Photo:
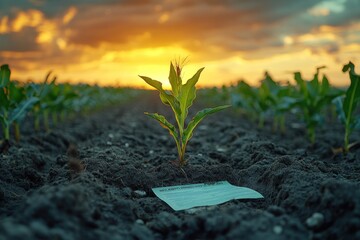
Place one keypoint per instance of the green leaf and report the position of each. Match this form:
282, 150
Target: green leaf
165, 124
325, 86
287, 103
175, 81
4, 101
353, 92
4, 75
197, 119
20, 111
16, 93
300, 82
188, 94
166, 98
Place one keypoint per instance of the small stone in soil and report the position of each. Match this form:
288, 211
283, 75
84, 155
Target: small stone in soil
315, 221
139, 193
220, 149
139, 221
277, 229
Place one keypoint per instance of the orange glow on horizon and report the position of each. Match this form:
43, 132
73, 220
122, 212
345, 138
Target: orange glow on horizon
113, 43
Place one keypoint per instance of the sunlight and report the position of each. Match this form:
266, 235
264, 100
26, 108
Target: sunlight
31, 18
164, 18
4, 25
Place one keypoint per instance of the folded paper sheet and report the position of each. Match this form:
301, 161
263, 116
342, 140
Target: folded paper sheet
203, 194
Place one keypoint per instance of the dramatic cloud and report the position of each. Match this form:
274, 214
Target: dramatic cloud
94, 39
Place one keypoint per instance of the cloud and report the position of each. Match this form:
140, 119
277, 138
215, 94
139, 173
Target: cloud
88, 33
22, 41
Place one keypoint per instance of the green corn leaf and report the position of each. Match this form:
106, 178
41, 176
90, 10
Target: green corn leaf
165, 124
16, 93
325, 86
246, 90
287, 103
166, 98
175, 81
4, 101
197, 119
4, 75
353, 92
188, 94
301, 83
20, 111
3, 119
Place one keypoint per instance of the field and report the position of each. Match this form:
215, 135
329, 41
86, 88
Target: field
90, 176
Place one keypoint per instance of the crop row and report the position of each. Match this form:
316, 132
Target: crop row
49, 100
310, 99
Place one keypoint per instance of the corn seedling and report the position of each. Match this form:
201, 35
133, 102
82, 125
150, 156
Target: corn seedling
180, 98
315, 95
279, 100
13, 103
41, 108
253, 100
347, 107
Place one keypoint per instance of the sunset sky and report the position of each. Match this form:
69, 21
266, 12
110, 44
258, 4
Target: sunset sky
112, 42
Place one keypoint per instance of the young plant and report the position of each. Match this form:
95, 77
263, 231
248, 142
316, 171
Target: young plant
180, 98
279, 100
315, 95
347, 107
13, 103
247, 98
41, 108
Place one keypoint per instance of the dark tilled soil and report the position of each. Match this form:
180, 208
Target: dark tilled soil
91, 178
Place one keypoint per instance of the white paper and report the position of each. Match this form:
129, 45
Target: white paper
203, 194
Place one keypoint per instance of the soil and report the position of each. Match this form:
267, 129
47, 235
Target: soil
91, 178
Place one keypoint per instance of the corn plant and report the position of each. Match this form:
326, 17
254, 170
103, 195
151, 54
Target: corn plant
346, 108
280, 99
315, 95
247, 98
42, 92
14, 105
180, 99
256, 102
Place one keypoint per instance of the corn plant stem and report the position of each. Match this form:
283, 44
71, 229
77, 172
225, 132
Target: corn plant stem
17, 131
261, 122
37, 123
182, 160
46, 120
182, 146
311, 134
178, 147
282, 123
6, 131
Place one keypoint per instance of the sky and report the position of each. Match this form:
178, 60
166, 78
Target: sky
111, 42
